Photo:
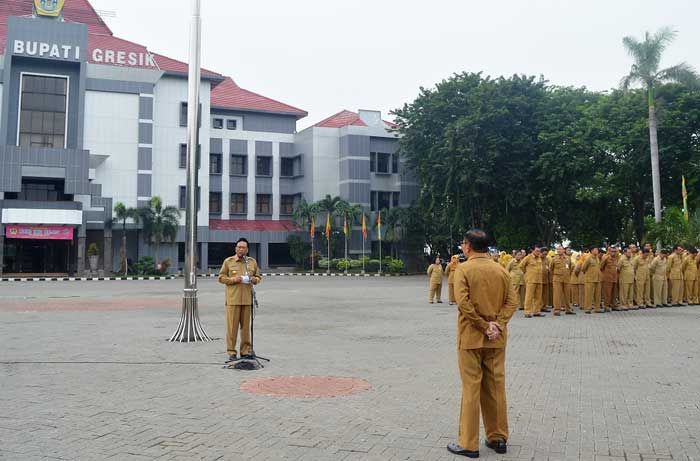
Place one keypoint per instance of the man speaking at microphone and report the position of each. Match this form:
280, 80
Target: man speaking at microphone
486, 302
239, 273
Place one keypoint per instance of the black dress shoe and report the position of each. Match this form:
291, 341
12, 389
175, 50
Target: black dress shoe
570, 313
457, 450
231, 358
499, 446
248, 356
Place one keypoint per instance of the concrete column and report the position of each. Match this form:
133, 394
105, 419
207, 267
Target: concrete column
107, 253
81, 256
204, 257
276, 181
264, 258
2, 248
251, 180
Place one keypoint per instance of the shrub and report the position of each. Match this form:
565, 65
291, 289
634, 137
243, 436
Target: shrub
395, 266
355, 263
145, 266
344, 264
372, 265
93, 249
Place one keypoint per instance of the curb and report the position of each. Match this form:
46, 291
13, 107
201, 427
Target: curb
172, 277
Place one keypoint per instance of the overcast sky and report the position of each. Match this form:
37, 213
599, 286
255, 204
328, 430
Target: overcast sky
323, 56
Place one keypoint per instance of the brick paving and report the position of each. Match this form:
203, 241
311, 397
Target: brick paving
86, 373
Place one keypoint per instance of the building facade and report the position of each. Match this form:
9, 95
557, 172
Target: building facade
89, 120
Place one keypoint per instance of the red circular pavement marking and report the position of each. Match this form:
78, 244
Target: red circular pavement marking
86, 304
305, 386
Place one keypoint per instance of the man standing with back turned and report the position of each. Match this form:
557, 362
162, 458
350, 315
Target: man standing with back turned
486, 302
239, 273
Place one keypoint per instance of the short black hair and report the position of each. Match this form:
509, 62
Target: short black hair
478, 240
242, 239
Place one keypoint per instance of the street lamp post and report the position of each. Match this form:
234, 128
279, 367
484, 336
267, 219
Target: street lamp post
190, 328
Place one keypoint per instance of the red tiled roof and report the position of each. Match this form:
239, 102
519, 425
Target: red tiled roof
228, 95
260, 225
347, 118
74, 11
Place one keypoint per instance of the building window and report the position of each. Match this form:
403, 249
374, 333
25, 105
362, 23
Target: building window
372, 162
231, 124
183, 197
383, 163
395, 163
263, 166
373, 200
215, 166
214, 202
383, 200
287, 204
44, 104
287, 167
183, 156
239, 165
239, 204
183, 114
217, 123
263, 204
395, 199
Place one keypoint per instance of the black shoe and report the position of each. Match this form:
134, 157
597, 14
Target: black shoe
248, 357
499, 446
457, 450
231, 358
439, 302
570, 313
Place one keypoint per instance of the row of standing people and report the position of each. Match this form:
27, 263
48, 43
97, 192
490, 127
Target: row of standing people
611, 280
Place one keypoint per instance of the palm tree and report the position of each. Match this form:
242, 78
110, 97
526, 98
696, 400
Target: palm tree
350, 214
304, 213
392, 224
645, 70
121, 214
159, 223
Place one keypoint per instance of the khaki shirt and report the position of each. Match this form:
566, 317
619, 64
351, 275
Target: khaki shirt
533, 268
239, 294
591, 269
608, 268
641, 265
516, 273
435, 273
626, 269
675, 262
484, 294
658, 268
560, 268
690, 268
450, 271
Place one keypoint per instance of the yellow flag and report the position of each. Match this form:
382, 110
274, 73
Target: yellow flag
685, 199
364, 227
328, 227
345, 225
312, 230
379, 226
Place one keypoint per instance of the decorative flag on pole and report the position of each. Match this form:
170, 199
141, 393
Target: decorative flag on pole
328, 227
312, 229
345, 225
379, 226
685, 199
364, 227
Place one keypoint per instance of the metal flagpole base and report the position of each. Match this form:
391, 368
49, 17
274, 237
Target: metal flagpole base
190, 329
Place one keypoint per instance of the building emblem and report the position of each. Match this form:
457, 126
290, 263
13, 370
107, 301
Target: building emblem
51, 8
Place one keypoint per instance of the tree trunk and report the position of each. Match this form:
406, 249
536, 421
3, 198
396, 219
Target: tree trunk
654, 144
123, 254
157, 245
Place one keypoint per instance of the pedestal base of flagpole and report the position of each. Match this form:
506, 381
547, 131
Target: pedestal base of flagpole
190, 329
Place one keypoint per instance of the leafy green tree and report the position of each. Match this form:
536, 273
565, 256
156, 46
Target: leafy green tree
304, 213
159, 223
647, 55
121, 215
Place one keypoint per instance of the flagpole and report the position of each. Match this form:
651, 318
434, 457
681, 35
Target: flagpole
364, 237
380, 243
312, 254
345, 228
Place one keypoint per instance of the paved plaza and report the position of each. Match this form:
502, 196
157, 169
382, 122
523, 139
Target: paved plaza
86, 373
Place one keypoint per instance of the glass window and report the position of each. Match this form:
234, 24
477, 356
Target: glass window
384, 200
395, 199
372, 162
215, 164
287, 167
214, 202
287, 204
264, 166
183, 156
383, 163
183, 114
395, 163
239, 165
183, 197
262, 204
231, 124
238, 203
42, 119
217, 123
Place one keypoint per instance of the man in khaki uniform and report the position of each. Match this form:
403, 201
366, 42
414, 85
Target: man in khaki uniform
642, 279
652, 255
560, 270
450, 271
690, 275
658, 269
609, 279
239, 273
591, 282
517, 278
486, 302
435, 273
533, 269
675, 275
547, 292
626, 280
577, 280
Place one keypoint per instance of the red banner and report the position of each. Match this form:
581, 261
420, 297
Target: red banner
30, 232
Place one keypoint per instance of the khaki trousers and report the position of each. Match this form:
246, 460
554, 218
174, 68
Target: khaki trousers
483, 373
609, 289
533, 298
451, 292
591, 296
577, 294
546, 294
520, 290
643, 293
691, 293
660, 292
238, 317
560, 293
626, 296
676, 291
435, 291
